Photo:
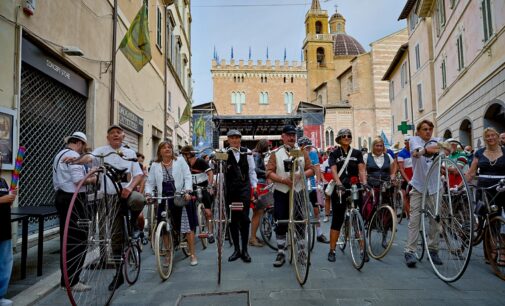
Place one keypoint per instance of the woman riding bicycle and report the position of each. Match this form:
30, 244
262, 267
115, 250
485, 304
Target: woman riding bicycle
170, 174
351, 161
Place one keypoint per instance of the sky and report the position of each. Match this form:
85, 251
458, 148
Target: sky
276, 25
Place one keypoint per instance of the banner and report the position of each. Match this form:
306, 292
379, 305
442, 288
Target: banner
202, 130
135, 45
313, 132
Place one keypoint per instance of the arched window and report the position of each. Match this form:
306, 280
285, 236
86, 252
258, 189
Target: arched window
320, 57
319, 27
465, 132
288, 101
330, 137
447, 134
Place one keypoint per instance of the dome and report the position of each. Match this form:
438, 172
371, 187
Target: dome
336, 15
344, 44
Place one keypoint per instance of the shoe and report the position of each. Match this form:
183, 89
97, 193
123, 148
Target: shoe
136, 234
322, 238
384, 242
211, 239
435, 259
410, 259
279, 260
6, 302
365, 256
331, 256
80, 287
117, 281
236, 255
255, 243
193, 262
326, 219
245, 257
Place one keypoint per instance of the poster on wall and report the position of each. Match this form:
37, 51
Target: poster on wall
202, 131
7, 137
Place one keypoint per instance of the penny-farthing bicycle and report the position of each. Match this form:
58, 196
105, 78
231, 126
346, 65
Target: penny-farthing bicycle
447, 216
299, 222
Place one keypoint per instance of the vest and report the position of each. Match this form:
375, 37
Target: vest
280, 156
375, 174
237, 174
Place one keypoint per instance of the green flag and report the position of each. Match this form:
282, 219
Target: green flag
135, 44
186, 115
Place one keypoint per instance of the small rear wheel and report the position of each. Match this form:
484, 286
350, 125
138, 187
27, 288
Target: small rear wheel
420, 247
495, 246
267, 228
131, 266
399, 205
202, 225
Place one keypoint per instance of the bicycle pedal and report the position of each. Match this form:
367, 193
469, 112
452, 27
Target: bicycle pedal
236, 206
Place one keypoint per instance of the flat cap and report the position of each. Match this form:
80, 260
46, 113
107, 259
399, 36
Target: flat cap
289, 129
234, 133
114, 126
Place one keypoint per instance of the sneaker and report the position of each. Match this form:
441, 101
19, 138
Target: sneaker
331, 256
193, 262
410, 259
211, 239
81, 287
5, 302
322, 238
326, 219
280, 260
435, 259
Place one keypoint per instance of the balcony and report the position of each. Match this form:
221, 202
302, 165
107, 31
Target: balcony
318, 37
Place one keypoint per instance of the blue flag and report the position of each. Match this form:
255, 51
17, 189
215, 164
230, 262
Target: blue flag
387, 144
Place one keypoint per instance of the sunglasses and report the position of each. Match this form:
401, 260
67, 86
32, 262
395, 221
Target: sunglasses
346, 136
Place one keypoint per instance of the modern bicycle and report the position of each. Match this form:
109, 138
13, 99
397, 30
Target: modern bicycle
353, 228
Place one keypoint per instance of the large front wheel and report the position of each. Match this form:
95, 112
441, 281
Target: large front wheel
381, 232
164, 250
300, 236
88, 244
447, 219
357, 240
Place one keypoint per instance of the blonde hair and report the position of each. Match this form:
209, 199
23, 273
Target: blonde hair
489, 129
376, 140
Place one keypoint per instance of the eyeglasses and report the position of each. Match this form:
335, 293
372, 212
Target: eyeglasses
346, 136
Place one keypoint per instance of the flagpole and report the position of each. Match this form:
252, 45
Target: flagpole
113, 72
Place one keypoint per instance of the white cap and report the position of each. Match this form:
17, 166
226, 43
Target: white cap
77, 135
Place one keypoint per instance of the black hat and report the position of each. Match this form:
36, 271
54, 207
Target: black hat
289, 129
234, 133
114, 126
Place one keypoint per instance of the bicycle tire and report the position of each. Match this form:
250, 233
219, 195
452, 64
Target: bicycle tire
300, 228
132, 263
357, 239
164, 250
454, 222
494, 243
344, 234
220, 221
399, 205
420, 247
89, 226
479, 229
153, 223
267, 228
202, 225
381, 232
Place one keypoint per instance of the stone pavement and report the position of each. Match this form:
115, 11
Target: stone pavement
385, 282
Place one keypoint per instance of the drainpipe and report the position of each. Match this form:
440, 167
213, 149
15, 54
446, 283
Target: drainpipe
165, 73
113, 63
410, 92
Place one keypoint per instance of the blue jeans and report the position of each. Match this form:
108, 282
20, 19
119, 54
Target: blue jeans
5, 266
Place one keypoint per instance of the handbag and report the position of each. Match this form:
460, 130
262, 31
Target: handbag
331, 185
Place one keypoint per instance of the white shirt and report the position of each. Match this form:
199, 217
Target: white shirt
379, 160
252, 172
118, 162
421, 165
67, 176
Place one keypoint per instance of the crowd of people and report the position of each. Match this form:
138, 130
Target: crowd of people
248, 172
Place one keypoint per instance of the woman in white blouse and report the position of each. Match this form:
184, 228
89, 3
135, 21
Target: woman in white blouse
170, 174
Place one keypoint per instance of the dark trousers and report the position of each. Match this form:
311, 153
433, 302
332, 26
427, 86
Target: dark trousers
76, 238
239, 225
